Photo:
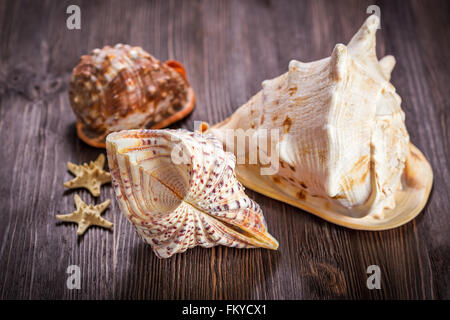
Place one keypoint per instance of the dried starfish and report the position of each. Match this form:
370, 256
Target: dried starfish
87, 215
90, 176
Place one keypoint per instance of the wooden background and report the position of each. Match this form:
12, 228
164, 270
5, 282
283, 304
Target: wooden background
228, 48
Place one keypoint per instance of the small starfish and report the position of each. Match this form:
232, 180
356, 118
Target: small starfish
86, 215
90, 176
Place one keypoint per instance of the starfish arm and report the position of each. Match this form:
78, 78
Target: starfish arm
75, 169
76, 182
100, 161
71, 217
99, 221
102, 206
94, 189
78, 202
82, 228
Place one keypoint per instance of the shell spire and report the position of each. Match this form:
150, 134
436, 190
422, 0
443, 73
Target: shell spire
123, 87
344, 151
179, 190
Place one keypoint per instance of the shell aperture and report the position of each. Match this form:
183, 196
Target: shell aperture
179, 190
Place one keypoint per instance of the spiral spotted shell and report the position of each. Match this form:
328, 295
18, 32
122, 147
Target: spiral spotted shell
179, 190
123, 87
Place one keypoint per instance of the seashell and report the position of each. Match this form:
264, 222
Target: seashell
179, 190
123, 87
343, 152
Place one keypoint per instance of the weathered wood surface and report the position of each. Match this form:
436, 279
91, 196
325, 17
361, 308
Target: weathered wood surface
228, 48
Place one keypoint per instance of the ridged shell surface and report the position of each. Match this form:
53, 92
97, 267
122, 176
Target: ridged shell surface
124, 87
179, 190
344, 152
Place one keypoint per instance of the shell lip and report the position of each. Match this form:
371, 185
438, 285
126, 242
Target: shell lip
417, 183
178, 67
97, 141
258, 239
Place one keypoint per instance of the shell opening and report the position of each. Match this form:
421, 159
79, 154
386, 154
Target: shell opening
166, 181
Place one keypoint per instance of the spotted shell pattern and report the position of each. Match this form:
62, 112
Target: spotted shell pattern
179, 190
123, 87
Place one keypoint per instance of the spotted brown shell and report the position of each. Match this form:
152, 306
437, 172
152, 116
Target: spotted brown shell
124, 87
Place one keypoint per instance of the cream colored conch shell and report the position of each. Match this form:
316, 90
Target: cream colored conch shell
344, 152
179, 190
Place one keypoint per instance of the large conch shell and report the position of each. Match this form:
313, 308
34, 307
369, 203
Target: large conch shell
344, 152
179, 190
123, 87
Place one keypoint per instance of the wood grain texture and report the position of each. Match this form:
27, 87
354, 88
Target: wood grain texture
228, 48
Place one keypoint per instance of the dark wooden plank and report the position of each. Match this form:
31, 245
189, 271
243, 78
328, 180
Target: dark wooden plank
228, 49
431, 22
